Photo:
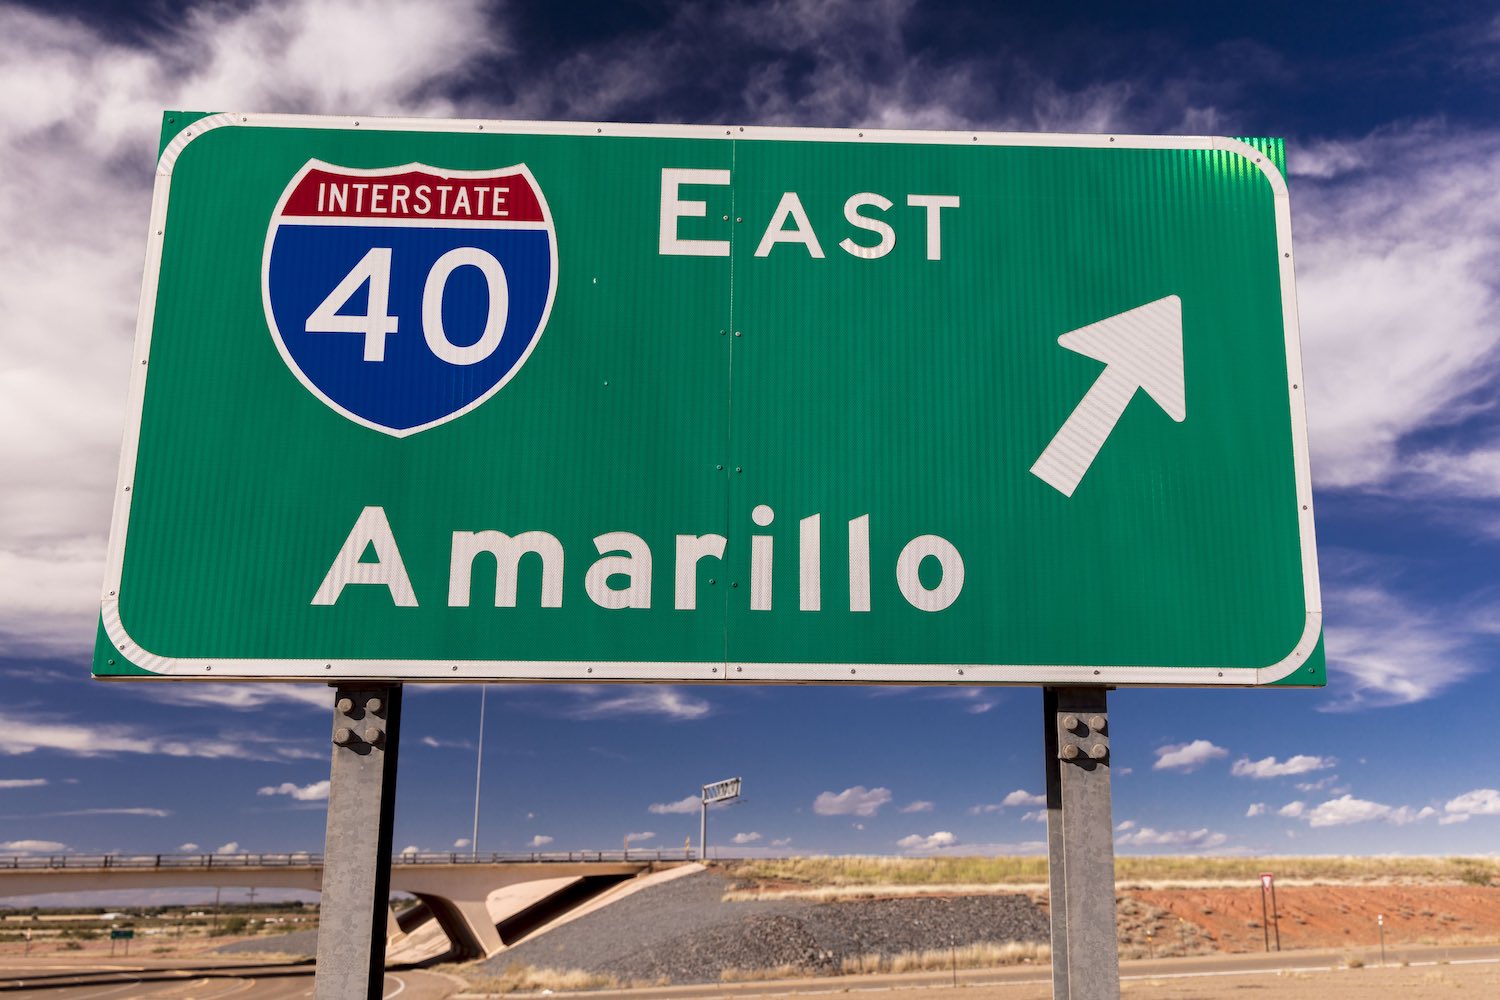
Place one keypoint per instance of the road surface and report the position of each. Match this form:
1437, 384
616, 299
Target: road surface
192, 978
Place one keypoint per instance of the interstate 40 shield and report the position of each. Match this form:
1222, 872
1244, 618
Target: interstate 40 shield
405, 297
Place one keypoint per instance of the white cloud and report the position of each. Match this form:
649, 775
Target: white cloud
1479, 802
540, 840
919, 806
150, 811
745, 838
1346, 810
1388, 652
315, 792
409, 849
667, 702
22, 782
241, 697
462, 842
1256, 809
688, 804
1397, 232
1293, 810
933, 842
631, 838
33, 846
187, 848
1270, 767
985, 808
782, 842
1187, 840
22, 736
1021, 797
233, 847
86, 106
1035, 816
1186, 756
856, 801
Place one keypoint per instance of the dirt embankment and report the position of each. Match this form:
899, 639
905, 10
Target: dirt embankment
1195, 921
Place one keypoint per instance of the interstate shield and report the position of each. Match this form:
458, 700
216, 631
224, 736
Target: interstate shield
405, 297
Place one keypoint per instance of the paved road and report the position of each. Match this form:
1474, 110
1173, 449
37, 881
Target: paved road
196, 978
1026, 982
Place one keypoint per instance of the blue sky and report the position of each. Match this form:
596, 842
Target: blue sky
1392, 118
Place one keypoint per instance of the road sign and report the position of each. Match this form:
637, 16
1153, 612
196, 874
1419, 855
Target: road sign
485, 400
118, 934
1266, 880
721, 791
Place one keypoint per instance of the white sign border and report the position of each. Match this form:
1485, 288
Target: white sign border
469, 671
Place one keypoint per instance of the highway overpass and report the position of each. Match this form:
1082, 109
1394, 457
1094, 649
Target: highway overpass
454, 889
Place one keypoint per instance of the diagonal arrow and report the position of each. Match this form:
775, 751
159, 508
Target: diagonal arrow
1141, 349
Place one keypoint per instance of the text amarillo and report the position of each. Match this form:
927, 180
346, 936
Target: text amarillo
621, 577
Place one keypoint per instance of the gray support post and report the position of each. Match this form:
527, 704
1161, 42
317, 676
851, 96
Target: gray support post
1080, 845
357, 855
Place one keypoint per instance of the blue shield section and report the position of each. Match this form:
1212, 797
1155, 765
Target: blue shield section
411, 388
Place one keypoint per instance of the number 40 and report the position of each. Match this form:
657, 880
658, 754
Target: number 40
377, 323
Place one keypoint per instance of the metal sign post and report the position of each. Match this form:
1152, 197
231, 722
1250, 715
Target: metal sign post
357, 857
1080, 845
1273, 918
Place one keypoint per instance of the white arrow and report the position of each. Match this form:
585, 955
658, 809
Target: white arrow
1141, 349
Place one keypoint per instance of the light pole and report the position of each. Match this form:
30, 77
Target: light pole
719, 791
478, 767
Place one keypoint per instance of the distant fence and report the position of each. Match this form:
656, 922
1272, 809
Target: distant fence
302, 859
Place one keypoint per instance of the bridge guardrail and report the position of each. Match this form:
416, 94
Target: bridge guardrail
305, 859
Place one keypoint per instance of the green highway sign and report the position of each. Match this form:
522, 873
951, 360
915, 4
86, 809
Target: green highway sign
459, 400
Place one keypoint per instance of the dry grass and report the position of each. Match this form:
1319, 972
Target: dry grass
762, 975
518, 978
1147, 931
984, 955
843, 873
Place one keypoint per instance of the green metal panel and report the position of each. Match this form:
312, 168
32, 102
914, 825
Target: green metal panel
672, 395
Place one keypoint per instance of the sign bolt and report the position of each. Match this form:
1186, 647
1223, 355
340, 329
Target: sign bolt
373, 735
1068, 751
374, 705
1098, 751
1070, 723
1096, 722
342, 736
346, 705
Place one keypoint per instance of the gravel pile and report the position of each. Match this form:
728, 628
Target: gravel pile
683, 932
